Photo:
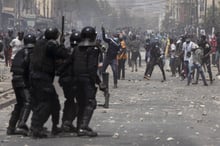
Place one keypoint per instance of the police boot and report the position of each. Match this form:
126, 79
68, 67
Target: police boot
17, 131
11, 127
87, 132
22, 121
56, 130
12, 122
67, 126
38, 133
211, 80
84, 129
22, 131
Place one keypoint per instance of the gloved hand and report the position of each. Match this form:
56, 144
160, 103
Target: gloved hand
62, 40
207, 46
102, 86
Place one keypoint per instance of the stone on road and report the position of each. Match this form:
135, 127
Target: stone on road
143, 113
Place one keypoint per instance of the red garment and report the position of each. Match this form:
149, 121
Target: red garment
213, 43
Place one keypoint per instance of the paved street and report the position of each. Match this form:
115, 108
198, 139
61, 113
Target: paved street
143, 113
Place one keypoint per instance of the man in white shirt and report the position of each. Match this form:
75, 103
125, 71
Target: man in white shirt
172, 58
17, 44
187, 51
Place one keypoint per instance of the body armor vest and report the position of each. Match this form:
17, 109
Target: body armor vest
20, 68
43, 59
85, 61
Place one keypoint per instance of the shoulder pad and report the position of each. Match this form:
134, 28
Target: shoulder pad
87, 43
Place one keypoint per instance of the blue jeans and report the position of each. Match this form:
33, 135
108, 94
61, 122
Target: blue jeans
199, 70
114, 66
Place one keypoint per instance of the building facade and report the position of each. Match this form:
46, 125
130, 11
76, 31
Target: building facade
192, 13
21, 14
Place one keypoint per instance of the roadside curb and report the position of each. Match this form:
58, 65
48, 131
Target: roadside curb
6, 100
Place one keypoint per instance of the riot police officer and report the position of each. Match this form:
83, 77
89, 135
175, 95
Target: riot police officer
42, 74
21, 86
69, 89
85, 66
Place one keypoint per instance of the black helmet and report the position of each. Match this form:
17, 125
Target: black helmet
29, 40
10, 32
203, 37
148, 41
51, 33
75, 38
188, 40
88, 33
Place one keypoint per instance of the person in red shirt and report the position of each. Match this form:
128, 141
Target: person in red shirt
213, 43
217, 52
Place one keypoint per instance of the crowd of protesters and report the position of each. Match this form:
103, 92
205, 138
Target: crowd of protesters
81, 64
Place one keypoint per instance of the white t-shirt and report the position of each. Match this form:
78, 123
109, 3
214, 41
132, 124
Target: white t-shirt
173, 50
16, 46
188, 48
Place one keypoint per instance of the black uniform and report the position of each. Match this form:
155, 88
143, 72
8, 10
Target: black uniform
45, 98
66, 81
21, 86
85, 67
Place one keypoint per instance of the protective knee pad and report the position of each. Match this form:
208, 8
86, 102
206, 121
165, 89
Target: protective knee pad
70, 110
69, 92
41, 114
92, 104
27, 96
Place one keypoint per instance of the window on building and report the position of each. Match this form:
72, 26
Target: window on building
9, 3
